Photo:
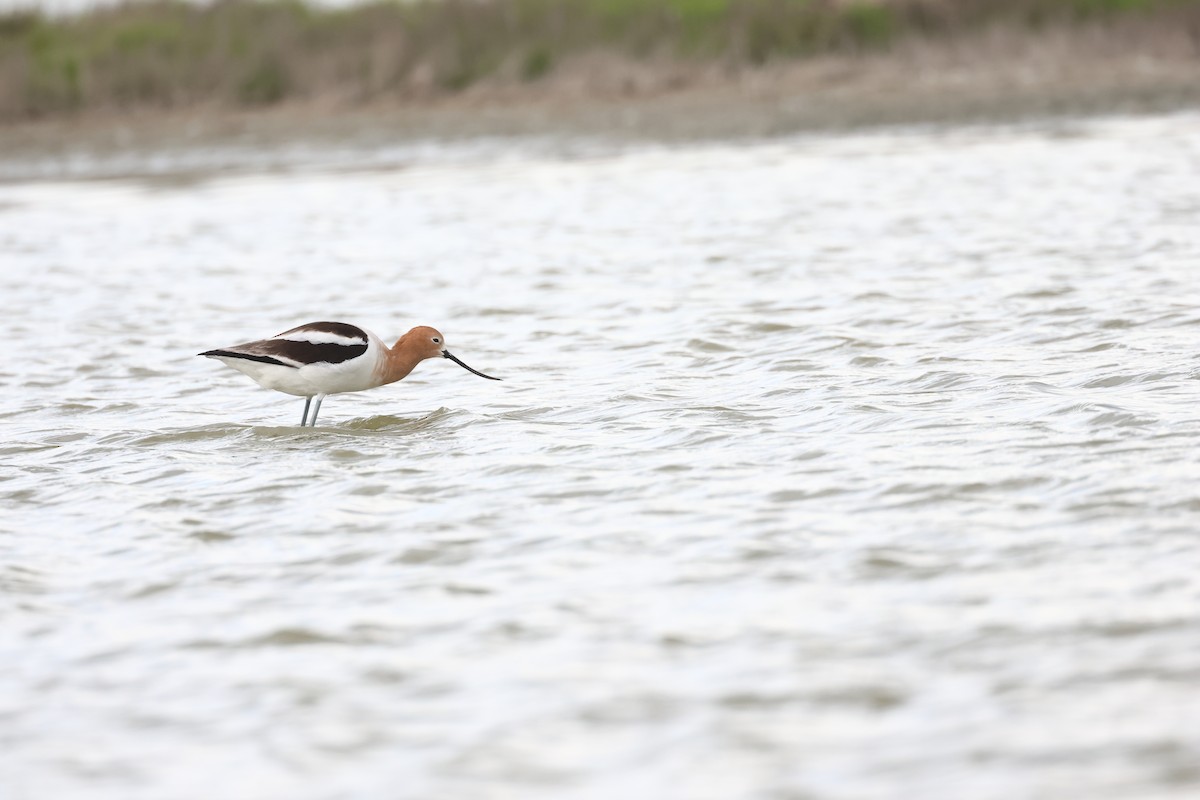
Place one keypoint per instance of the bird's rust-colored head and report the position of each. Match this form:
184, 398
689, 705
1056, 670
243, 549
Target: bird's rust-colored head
424, 342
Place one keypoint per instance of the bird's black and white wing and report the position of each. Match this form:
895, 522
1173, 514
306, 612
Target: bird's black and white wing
312, 344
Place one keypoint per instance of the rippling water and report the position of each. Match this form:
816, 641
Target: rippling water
843, 467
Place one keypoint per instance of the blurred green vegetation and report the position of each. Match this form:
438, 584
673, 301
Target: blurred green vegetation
243, 54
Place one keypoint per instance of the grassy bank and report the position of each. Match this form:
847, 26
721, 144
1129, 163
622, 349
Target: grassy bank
254, 54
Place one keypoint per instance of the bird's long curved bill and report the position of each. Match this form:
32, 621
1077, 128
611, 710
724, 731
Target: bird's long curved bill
446, 353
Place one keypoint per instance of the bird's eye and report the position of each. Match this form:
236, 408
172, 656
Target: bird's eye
436, 340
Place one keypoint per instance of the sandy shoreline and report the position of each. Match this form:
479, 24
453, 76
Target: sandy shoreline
1001, 77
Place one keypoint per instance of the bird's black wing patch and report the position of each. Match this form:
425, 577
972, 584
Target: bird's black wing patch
304, 353
248, 356
336, 328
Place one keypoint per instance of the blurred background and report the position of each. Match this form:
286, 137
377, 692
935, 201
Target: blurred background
656, 68
846, 444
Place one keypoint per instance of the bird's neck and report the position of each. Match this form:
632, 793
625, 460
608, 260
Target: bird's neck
398, 361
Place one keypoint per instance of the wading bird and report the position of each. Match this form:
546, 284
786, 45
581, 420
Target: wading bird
323, 358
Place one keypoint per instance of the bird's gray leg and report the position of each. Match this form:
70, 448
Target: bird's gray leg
304, 419
316, 410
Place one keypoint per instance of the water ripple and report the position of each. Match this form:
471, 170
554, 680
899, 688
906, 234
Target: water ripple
804, 479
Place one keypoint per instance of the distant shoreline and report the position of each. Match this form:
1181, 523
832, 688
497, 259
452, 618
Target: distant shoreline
992, 76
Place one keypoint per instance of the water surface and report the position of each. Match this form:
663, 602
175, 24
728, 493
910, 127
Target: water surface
843, 467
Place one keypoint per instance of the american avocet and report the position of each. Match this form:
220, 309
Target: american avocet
323, 358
